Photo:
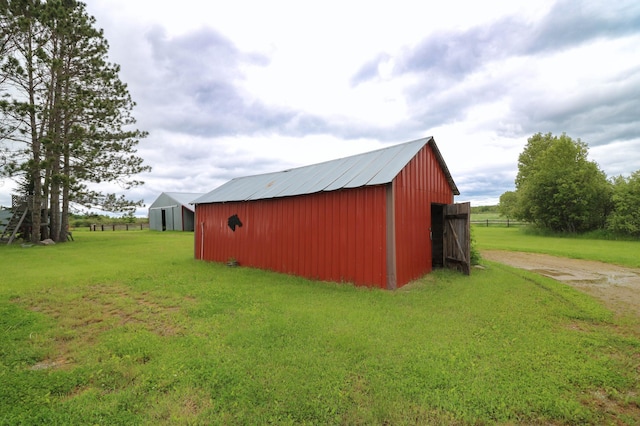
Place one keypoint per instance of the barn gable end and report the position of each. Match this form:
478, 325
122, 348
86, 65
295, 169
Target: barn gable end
422, 183
172, 211
363, 219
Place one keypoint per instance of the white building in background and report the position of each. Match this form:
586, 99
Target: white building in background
171, 211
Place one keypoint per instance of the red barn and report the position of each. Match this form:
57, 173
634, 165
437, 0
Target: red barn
379, 219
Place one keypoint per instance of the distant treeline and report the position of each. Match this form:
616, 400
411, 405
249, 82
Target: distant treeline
485, 209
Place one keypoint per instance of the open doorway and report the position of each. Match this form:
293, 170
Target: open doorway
451, 236
437, 235
164, 219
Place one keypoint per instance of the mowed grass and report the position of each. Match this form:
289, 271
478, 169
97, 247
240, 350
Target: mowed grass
127, 328
626, 253
486, 216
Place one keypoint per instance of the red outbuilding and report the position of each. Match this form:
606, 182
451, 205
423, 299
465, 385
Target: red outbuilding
379, 219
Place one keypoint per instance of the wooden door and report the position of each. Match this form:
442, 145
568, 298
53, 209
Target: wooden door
457, 237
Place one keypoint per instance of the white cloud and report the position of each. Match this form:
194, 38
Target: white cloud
234, 88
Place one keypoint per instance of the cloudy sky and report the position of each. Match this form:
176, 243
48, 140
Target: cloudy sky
235, 88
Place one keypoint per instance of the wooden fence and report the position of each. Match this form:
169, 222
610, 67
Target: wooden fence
505, 223
119, 227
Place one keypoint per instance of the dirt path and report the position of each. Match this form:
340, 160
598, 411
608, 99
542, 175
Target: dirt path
618, 287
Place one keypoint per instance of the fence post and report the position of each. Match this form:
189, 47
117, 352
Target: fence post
102, 227
141, 226
507, 222
487, 223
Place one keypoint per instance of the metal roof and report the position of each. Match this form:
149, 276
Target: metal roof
184, 198
371, 168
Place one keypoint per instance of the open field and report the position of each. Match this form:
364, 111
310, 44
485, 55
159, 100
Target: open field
126, 328
479, 217
625, 253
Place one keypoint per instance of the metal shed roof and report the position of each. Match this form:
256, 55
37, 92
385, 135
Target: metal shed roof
182, 198
371, 168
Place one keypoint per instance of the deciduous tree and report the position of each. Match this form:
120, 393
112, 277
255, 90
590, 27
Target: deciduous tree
557, 186
508, 204
625, 217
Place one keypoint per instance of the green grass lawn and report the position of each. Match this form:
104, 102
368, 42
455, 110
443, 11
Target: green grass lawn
626, 253
127, 328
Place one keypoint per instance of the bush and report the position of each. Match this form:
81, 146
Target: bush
626, 204
475, 253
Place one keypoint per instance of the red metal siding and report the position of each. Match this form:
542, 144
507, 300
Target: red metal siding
334, 236
337, 236
421, 183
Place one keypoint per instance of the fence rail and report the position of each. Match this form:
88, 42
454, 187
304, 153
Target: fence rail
498, 222
119, 227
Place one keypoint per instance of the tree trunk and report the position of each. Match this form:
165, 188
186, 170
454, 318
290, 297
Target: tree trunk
67, 140
36, 166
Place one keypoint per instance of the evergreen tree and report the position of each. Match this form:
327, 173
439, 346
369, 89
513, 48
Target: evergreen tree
23, 77
81, 128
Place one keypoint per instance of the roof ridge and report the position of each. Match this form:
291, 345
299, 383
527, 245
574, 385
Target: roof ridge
365, 169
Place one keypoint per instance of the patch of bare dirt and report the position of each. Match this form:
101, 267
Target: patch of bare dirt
617, 286
93, 310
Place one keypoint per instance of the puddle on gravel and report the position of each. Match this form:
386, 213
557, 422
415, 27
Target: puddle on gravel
617, 286
551, 272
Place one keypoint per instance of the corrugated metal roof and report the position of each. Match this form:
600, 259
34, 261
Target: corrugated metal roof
184, 198
371, 168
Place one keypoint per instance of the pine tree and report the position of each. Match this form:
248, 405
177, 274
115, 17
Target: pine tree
23, 80
82, 127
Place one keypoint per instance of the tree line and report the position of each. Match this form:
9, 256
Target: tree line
559, 189
66, 120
